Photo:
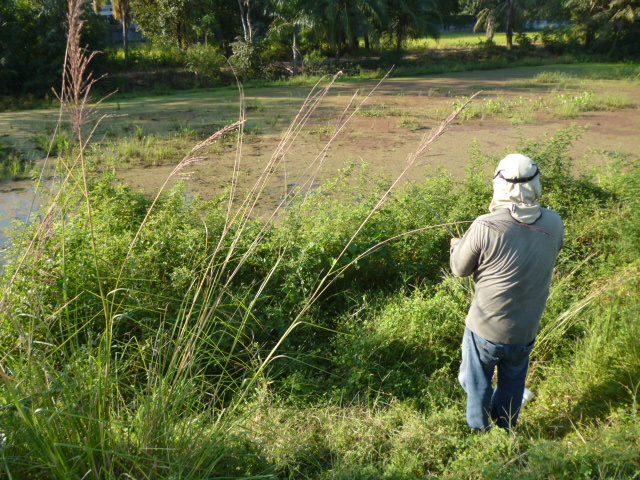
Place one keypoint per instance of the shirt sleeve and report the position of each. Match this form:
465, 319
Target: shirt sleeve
465, 253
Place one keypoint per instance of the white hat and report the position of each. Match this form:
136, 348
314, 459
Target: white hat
516, 186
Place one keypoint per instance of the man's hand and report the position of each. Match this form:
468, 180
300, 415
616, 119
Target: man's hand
454, 240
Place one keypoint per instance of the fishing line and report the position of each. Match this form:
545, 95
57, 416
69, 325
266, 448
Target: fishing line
433, 210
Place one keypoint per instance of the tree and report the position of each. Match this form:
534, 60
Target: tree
293, 15
412, 18
245, 16
510, 9
32, 43
122, 13
344, 20
169, 20
624, 16
612, 19
490, 12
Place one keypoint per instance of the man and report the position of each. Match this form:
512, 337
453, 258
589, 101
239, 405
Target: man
511, 253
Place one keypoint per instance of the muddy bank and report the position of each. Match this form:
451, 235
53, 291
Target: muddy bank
388, 129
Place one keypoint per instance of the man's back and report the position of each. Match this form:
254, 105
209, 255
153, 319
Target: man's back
512, 263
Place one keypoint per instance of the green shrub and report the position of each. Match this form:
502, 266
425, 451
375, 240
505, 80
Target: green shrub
205, 62
13, 162
245, 59
315, 63
402, 350
173, 344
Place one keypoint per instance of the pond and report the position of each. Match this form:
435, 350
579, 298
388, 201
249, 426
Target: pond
17, 200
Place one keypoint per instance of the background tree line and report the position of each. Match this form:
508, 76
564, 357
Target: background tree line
257, 33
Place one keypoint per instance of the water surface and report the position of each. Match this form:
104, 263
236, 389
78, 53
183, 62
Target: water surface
17, 200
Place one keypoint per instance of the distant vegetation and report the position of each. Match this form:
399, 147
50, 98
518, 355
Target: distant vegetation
201, 43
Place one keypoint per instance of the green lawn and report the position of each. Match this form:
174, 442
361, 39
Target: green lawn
457, 40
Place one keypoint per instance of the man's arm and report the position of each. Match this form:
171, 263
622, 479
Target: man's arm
465, 253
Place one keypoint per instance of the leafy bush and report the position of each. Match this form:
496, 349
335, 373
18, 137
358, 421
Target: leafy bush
524, 41
205, 62
13, 163
559, 40
245, 58
139, 327
315, 62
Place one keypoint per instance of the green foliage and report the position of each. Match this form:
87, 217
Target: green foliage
32, 44
141, 57
205, 62
181, 23
139, 335
559, 40
605, 26
403, 349
563, 105
13, 163
412, 19
245, 58
315, 62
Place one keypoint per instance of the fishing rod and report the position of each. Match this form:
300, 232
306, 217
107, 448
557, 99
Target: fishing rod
433, 210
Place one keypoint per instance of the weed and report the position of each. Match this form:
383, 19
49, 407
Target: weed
322, 130
139, 132
615, 102
380, 110
561, 78
568, 105
409, 122
254, 106
518, 111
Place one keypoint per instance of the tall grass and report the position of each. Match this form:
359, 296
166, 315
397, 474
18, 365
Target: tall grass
108, 376
170, 338
244, 376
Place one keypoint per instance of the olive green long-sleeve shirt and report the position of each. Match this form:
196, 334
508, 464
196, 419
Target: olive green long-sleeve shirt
512, 263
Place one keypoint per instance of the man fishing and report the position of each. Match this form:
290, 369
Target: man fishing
511, 253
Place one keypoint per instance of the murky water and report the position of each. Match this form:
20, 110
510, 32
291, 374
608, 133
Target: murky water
17, 199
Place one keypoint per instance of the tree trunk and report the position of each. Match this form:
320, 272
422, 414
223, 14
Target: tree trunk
179, 36
125, 37
589, 35
490, 29
341, 42
367, 45
615, 38
249, 26
399, 38
245, 26
295, 53
355, 43
511, 20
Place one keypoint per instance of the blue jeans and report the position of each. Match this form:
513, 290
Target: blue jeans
480, 357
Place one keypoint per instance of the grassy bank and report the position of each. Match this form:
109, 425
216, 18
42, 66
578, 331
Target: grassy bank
175, 339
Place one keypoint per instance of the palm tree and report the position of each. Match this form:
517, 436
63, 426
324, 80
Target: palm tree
605, 16
122, 13
412, 18
294, 15
345, 20
487, 13
510, 8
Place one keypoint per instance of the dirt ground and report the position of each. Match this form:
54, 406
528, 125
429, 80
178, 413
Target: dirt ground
392, 122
